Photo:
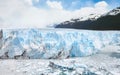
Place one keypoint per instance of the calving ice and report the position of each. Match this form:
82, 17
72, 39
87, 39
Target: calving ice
54, 43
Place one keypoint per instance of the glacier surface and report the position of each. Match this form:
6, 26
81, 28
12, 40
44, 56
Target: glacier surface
54, 43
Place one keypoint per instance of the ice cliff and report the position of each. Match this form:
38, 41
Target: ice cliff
54, 43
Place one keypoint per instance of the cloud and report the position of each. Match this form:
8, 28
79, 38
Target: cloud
23, 14
54, 4
30, 2
101, 7
102, 4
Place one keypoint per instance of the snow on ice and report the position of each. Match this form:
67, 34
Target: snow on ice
54, 43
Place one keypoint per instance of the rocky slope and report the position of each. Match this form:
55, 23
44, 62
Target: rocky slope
108, 21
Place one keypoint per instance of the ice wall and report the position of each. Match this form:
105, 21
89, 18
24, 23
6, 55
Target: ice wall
54, 43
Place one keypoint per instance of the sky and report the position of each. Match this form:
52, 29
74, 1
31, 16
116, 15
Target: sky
43, 13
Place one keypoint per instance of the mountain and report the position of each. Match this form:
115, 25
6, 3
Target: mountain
108, 21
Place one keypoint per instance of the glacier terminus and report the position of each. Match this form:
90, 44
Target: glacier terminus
54, 43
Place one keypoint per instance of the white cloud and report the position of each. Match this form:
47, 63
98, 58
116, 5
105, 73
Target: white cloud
54, 4
29, 2
102, 4
101, 7
22, 13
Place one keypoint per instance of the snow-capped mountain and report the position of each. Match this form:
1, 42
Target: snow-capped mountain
108, 21
114, 11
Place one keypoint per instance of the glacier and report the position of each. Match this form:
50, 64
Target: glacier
54, 43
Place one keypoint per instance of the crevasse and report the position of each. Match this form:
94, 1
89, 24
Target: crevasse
54, 43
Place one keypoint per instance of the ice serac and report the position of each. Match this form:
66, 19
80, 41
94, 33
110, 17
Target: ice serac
1, 35
54, 43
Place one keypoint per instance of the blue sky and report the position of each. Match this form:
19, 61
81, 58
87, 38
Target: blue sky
77, 4
41, 13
